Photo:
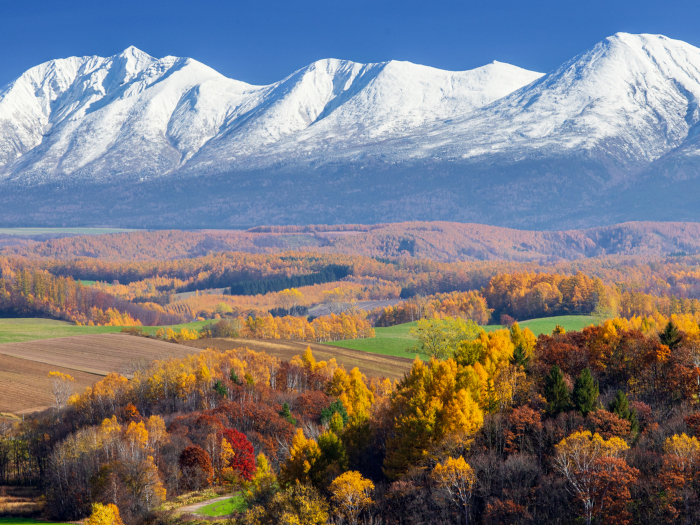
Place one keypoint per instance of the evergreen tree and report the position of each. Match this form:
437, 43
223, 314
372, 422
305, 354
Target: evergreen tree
586, 393
336, 407
234, 376
620, 406
670, 337
520, 357
555, 391
220, 388
286, 414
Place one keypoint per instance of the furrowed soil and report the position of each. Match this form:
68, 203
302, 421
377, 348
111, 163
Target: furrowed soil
372, 365
24, 367
25, 386
95, 354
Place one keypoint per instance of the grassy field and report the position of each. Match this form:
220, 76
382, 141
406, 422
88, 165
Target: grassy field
18, 330
224, 508
77, 231
25, 521
396, 339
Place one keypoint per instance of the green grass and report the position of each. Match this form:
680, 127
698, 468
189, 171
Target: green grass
18, 330
396, 339
42, 231
225, 507
24, 521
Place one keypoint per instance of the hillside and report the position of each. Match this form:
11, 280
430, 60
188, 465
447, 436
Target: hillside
440, 241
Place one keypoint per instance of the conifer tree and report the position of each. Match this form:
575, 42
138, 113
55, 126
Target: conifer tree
286, 414
520, 357
585, 395
620, 406
234, 376
220, 388
670, 337
555, 391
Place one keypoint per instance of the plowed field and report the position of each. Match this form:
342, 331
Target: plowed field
24, 367
96, 354
372, 365
25, 386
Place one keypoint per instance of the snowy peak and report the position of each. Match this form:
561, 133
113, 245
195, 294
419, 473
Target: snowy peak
631, 98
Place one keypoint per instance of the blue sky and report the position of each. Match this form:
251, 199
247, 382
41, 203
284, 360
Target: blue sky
261, 41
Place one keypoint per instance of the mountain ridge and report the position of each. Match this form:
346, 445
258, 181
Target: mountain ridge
611, 135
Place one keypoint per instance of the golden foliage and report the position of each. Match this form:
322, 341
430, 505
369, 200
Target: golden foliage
351, 494
104, 515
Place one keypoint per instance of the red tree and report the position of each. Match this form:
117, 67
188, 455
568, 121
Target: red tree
244, 459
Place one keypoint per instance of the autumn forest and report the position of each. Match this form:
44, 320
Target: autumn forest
492, 422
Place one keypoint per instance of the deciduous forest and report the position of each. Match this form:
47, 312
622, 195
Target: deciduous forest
494, 426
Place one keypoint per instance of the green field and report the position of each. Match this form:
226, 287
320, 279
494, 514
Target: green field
77, 231
17, 330
224, 508
25, 521
396, 339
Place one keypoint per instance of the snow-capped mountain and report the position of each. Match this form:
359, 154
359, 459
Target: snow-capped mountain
134, 115
613, 134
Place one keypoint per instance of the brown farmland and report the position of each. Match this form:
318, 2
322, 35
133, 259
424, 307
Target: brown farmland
96, 354
372, 365
24, 367
25, 386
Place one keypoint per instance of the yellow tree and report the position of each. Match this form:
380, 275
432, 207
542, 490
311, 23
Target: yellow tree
61, 389
290, 298
104, 515
680, 472
352, 494
303, 456
428, 405
579, 459
353, 392
456, 478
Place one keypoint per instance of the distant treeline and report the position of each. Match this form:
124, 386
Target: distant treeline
39, 294
330, 273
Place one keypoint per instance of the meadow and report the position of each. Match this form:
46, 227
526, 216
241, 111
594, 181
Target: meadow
224, 508
395, 340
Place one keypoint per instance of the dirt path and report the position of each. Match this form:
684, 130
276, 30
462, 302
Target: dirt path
196, 506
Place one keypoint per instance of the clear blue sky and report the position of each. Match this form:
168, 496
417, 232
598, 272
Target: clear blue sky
261, 41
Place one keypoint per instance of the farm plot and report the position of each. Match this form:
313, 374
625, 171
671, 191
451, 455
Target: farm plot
96, 354
25, 386
372, 365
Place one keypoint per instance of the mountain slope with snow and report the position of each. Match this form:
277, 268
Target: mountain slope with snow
135, 116
611, 135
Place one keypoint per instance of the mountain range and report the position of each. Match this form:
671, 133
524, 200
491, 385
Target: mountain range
130, 140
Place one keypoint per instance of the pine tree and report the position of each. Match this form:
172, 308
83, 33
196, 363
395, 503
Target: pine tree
234, 376
620, 406
220, 388
670, 337
586, 393
336, 407
555, 391
286, 414
520, 357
